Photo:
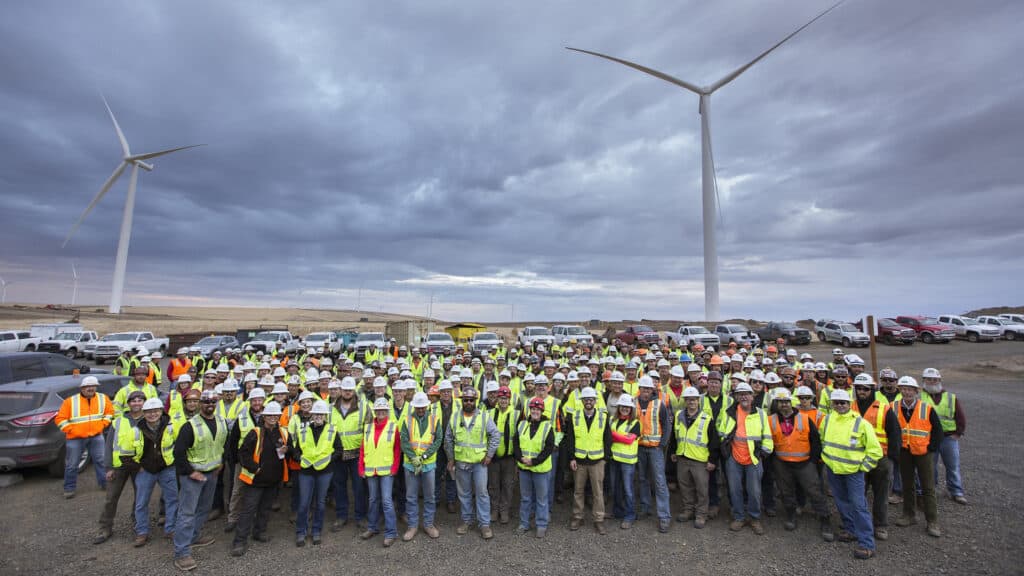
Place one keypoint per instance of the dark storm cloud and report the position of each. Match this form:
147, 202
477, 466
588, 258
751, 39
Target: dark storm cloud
416, 149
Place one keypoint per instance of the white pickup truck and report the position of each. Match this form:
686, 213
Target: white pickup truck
112, 345
270, 340
18, 341
686, 335
70, 344
326, 341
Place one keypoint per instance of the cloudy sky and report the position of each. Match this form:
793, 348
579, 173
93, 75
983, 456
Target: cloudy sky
383, 154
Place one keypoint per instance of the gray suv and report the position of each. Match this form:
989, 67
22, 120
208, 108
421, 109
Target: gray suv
32, 388
842, 333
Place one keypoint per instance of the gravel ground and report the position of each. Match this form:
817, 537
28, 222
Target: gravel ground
42, 533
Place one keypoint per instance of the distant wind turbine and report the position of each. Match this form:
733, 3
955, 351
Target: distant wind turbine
74, 290
708, 186
136, 161
4, 283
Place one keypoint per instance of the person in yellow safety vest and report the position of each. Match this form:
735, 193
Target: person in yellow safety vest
625, 431
747, 439
588, 445
879, 414
349, 416
372, 354
399, 405
152, 363
230, 403
137, 384
124, 444
83, 418
553, 412
314, 446
921, 431
421, 438
840, 380
379, 459
655, 433
954, 423
672, 390
156, 460
198, 456
630, 384
470, 443
176, 397
261, 470
696, 454
502, 472
123, 364
532, 447
849, 449
247, 419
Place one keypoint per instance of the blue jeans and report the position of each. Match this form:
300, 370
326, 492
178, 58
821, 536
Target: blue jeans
144, 483
848, 494
443, 482
621, 488
949, 452
75, 446
380, 498
345, 472
312, 492
749, 503
533, 489
412, 489
471, 479
652, 466
194, 502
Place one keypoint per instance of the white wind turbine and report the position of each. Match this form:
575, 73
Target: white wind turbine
74, 289
136, 161
3, 283
708, 185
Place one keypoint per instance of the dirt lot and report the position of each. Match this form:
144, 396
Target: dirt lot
42, 533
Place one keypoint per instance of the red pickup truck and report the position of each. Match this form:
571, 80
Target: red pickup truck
644, 334
928, 329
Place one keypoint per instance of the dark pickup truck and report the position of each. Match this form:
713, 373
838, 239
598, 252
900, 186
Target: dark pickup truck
788, 331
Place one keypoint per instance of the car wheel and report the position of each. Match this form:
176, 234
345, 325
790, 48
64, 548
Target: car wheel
887, 339
972, 336
71, 353
821, 336
928, 338
1011, 335
56, 468
846, 342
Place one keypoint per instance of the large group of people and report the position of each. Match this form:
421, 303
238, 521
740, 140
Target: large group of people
388, 436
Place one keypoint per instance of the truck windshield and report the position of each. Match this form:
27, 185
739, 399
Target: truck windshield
73, 336
121, 336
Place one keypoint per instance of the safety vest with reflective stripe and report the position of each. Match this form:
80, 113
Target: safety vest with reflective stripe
245, 475
245, 423
757, 430
420, 440
650, 423
918, 430
155, 377
470, 439
505, 420
946, 409
127, 441
171, 435
705, 405
316, 453
121, 398
848, 444
207, 450
230, 412
796, 447
589, 440
692, 441
622, 452
531, 446
379, 456
77, 416
875, 415
350, 426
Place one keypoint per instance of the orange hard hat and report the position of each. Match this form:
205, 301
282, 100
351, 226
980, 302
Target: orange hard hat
715, 361
773, 349
698, 347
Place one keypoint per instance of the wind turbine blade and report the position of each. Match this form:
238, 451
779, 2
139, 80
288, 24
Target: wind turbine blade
732, 75
106, 186
162, 152
74, 272
644, 69
120, 135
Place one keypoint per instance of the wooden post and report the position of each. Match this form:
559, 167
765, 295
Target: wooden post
871, 339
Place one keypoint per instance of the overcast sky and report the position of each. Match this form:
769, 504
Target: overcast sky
870, 165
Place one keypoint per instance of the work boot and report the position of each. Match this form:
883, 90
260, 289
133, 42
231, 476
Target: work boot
140, 540
663, 526
684, 517
275, 507
388, 542
736, 525
575, 524
69, 495
790, 522
826, 530
337, 525
300, 542
229, 527
432, 531
214, 514
409, 534
503, 517
846, 536
626, 525
599, 526
961, 499
699, 522
316, 540
541, 532
367, 534
238, 550
757, 527
486, 532
770, 512
462, 528
881, 533
934, 530
895, 499
863, 553
261, 538
185, 564
520, 530
102, 537
712, 512
904, 521
203, 542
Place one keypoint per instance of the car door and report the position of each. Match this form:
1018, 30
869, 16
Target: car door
60, 366
29, 367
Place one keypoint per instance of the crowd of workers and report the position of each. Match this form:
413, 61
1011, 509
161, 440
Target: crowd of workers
391, 436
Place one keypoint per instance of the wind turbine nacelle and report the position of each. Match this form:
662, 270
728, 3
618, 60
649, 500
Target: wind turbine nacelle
144, 166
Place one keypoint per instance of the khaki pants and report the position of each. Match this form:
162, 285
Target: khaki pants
234, 506
595, 473
501, 478
693, 486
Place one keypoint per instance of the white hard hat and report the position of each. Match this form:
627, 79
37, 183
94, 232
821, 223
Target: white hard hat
618, 376
491, 386
294, 379
429, 372
444, 385
572, 376
320, 407
645, 382
334, 384
540, 380
677, 371
279, 388
583, 370
229, 385
931, 373
693, 367
837, 351
757, 375
152, 404
840, 394
258, 393
348, 383
250, 377
465, 373
89, 381
381, 404
908, 381
369, 373
142, 351
279, 372
272, 409
223, 368
327, 362
184, 378
663, 362
267, 380
791, 352
820, 366
400, 385
772, 378
264, 366
420, 400
380, 382
311, 374
588, 392
306, 395
625, 400
781, 394
183, 350
145, 359
324, 374
855, 360
158, 355
863, 379
804, 391
218, 389
742, 387
392, 371
738, 377
691, 392
736, 358
558, 376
